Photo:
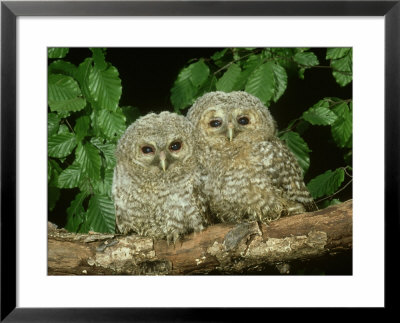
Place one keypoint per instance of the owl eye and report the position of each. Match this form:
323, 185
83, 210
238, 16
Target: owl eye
243, 121
147, 150
175, 146
215, 123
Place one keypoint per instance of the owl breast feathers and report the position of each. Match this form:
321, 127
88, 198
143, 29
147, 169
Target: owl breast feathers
249, 173
156, 179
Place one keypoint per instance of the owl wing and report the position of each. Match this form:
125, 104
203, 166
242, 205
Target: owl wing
284, 172
202, 200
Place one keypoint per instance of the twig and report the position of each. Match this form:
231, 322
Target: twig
345, 170
325, 198
232, 62
70, 127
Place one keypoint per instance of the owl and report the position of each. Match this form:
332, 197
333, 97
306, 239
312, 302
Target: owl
156, 178
250, 174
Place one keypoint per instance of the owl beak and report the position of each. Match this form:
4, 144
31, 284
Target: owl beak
230, 131
163, 160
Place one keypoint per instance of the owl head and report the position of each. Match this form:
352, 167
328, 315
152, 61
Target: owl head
157, 145
231, 118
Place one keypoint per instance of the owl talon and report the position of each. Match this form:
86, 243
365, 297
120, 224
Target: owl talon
172, 237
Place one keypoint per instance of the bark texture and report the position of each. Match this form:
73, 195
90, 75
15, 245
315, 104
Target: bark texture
221, 248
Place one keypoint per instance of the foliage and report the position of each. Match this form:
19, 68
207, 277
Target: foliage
85, 119
84, 124
263, 72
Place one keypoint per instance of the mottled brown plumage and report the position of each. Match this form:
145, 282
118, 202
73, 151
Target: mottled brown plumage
156, 179
250, 174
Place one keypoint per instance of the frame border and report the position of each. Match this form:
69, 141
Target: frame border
10, 10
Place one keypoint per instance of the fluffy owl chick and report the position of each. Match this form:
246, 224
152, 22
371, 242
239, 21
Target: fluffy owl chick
156, 178
249, 173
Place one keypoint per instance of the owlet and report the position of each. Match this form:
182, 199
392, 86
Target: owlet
250, 174
156, 179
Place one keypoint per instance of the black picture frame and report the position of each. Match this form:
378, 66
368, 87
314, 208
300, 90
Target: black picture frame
10, 10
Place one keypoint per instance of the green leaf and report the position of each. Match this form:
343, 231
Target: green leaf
74, 223
107, 149
335, 53
284, 57
110, 123
64, 94
236, 55
301, 73
298, 147
99, 58
280, 78
183, 91
53, 170
333, 100
76, 204
227, 82
61, 145
349, 143
342, 78
86, 185
101, 214
82, 75
49, 170
326, 183
81, 128
218, 55
57, 52
306, 59
62, 67
327, 203
70, 177
53, 197
261, 82
75, 213
285, 52
301, 49
348, 157
200, 72
319, 114
222, 57
207, 86
63, 129
342, 128
103, 187
342, 68
248, 67
343, 64
131, 114
53, 122
105, 87
88, 157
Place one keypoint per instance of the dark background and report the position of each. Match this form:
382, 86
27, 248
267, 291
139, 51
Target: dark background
148, 75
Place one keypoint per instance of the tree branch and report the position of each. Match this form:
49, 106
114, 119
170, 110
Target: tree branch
221, 248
